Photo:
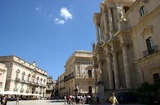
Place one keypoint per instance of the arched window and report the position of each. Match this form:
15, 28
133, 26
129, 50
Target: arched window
17, 73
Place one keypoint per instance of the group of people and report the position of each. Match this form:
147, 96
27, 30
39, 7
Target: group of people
78, 99
87, 99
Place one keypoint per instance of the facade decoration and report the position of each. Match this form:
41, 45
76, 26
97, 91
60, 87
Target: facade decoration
127, 44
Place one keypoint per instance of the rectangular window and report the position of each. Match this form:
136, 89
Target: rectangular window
156, 77
142, 11
89, 73
150, 47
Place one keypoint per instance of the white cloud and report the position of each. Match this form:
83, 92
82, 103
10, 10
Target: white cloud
37, 9
65, 13
59, 21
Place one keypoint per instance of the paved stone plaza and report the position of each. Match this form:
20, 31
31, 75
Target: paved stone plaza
47, 102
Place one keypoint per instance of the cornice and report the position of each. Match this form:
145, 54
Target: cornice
149, 58
97, 18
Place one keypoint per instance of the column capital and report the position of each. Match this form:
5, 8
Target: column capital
104, 8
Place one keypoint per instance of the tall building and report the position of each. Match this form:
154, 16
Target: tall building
3, 74
79, 75
61, 85
126, 52
50, 88
24, 77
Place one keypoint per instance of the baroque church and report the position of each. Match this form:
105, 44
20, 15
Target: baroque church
126, 52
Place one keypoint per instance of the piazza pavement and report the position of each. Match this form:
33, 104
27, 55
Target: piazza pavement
49, 102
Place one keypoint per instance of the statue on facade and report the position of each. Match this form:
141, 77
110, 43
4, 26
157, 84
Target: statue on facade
99, 74
119, 13
93, 45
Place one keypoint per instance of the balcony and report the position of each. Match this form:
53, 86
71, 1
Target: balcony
68, 77
15, 89
27, 91
17, 79
149, 52
36, 84
22, 90
23, 81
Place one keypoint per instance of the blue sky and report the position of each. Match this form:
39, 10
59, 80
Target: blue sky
47, 31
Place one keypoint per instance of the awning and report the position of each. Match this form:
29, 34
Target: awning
17, 93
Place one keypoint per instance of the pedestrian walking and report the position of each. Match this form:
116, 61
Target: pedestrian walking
65, 99
17, 100
68, 99
113, 99
97, 99
4, 100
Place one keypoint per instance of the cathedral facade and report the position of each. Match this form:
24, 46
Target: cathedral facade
126, 52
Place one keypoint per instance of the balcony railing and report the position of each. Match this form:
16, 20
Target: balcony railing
17, 79
68, 77
27, 91
149, 52
23, 81
15, 89
22, 90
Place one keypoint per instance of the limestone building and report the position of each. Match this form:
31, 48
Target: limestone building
50, 88
79, 74
24, 77
60, 85
3, 74
126, 52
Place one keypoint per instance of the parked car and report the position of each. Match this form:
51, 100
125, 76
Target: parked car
127, 97
156, 100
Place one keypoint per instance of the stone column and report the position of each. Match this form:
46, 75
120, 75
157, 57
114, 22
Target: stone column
106, 27
110, 22
101, 34
97, 34
126, 67
115, 68
110, 72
